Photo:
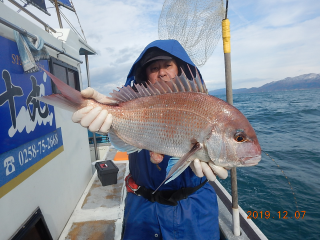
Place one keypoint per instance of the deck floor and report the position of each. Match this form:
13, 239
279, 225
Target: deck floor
92, 230
99, 213
105, 196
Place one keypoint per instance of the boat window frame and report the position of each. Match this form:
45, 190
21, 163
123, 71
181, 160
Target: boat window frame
36, 222
67, 67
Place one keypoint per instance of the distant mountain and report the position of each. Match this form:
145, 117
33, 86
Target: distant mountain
306, 81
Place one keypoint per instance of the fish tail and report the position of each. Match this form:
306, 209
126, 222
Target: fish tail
60, 101
69, 99
67, 92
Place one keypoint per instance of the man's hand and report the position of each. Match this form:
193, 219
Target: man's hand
156, 158
94, 118
209, 170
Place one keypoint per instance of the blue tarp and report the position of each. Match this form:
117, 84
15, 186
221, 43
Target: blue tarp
65, 3
39, 4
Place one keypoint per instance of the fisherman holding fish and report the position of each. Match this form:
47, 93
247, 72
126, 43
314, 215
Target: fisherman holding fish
193, 211
166, 122
165, 119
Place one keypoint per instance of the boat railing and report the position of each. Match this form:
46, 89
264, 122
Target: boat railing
99, 138
47, 27
24, 32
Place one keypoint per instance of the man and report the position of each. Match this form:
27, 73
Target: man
189, 216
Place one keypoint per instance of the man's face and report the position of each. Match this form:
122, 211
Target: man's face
165, 69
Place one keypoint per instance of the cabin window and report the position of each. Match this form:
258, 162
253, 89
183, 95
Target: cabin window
66, 73
72, 79
34, 228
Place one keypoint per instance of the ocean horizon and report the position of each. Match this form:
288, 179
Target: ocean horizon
287, 124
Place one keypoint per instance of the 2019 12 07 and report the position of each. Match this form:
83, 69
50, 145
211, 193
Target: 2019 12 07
278, 215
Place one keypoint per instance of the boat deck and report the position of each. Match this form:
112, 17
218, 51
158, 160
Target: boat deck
99, 212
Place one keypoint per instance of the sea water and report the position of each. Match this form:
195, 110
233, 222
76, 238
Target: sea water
287, 124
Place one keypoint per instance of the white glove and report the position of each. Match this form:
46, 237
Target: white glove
209, 170
94, 118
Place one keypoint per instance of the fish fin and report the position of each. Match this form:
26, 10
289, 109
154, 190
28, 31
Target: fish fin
60, 101
165, 86
201, 84
152, 89
141, 91
117, 96
159, 87
177, 84
119, 144
181, 163
185, 81
193, 82
172, 161
172, 85
179, 171
125, 94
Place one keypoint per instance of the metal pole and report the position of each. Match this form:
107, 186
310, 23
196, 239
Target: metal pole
227, 64
58, 13
227, 58
94, 135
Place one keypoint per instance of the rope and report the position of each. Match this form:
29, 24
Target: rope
78, 20
70, 24
285, 177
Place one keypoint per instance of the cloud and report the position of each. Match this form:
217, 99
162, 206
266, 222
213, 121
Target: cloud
107, 78
270, 39
275, 40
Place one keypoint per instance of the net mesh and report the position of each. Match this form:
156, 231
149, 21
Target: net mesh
196, 24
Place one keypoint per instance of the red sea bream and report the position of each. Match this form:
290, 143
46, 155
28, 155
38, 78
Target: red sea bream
176, 118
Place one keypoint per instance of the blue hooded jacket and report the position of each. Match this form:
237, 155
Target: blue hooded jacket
193, 218
170, 46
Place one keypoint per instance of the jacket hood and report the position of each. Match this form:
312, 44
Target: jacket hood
170, 46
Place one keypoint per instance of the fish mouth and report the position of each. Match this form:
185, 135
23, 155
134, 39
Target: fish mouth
242, 162
250, 161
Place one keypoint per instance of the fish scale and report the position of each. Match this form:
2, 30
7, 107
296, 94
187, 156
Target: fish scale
152, 121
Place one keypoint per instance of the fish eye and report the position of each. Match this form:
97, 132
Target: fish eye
240, 137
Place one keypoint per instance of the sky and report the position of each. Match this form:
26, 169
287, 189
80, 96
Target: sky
270, 39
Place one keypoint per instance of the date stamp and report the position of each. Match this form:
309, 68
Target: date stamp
277, 215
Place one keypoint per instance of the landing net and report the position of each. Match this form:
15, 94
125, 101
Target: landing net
196, 24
